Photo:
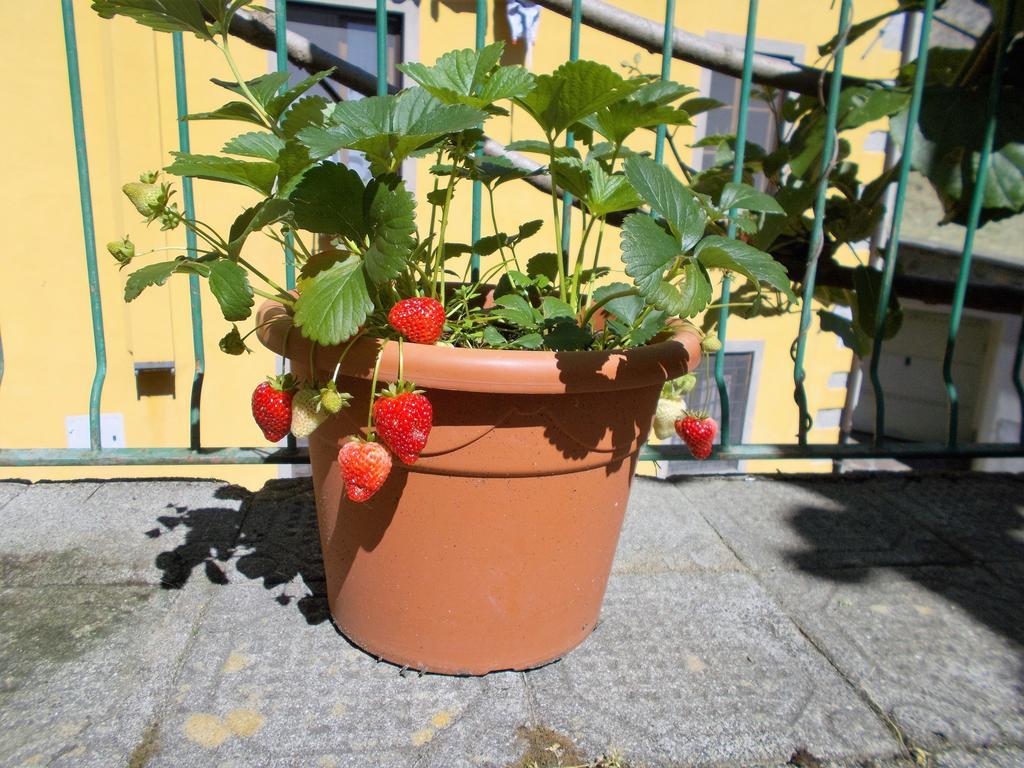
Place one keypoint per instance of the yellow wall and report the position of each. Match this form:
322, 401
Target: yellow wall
127, 81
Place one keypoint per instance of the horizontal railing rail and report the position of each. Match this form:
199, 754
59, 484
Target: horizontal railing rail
878, 448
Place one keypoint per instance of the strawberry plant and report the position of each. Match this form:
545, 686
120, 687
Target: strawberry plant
386, 254
390, 268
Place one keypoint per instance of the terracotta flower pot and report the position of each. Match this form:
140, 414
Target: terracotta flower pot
493, 550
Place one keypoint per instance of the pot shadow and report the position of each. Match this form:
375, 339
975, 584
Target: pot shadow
963, 546
272, 537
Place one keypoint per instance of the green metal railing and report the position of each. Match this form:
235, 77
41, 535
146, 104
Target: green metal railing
878, 448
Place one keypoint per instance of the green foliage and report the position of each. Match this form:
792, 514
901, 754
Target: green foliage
947, 149
334, 303
572, 92
258, 176
471, 77
389, 129
377, 255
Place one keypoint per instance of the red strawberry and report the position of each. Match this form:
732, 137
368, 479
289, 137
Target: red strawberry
364, 468
403, 418
698, 431
272, 406
420, 319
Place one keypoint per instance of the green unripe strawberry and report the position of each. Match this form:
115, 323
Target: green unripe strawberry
686, 384
149, 177
711, 343
332, 400
149, 199
123, 250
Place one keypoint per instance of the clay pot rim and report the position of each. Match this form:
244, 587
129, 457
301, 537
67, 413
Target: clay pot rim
492, 370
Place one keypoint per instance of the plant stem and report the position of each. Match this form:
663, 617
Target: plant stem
373, 391
557, 222
245, 88
262, 277
578, 271
597, 255
439, 262
285, 299
494, 222
341, 357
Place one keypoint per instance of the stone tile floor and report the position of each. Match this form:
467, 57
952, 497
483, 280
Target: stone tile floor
867, 620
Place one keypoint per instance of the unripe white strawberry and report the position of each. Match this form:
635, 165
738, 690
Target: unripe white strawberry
307, 412
665, 417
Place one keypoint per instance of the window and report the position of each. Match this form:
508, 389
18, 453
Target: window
739, 368
350, 34
762, 127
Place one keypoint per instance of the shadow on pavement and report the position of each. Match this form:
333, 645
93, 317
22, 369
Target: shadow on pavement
960, 536
272, 537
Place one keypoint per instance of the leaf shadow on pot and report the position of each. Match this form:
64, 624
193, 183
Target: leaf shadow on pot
595, 417
271, 537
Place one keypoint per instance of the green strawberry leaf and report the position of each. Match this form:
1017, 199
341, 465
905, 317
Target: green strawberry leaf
545, 264
536, 146
666, 195
391, 216
471, 77
151, 274
233, 110
694, 290
278, 104
625, 308
648, 250
330, 199
563, 335
161, 15
263, 214
388, 129
265, 146
305, 113
757, 266
516, 310
262, 88
334, 304
738, 195
229, 283
573, 91
552, 307
256, 175
528, 341
617, 121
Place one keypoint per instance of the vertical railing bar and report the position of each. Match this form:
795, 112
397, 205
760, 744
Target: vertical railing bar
281, 40
737, 176
818, 229
281, 50
893, 246
570, 140
1018, 381
188, 200
974, 213
474, 258
666, 71
85, 200
382, 47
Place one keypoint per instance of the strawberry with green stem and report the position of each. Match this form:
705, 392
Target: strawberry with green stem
365, 464
403, 416
272, 406
697, 428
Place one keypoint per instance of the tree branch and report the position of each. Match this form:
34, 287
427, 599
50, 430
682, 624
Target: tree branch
695, 49
257, 28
